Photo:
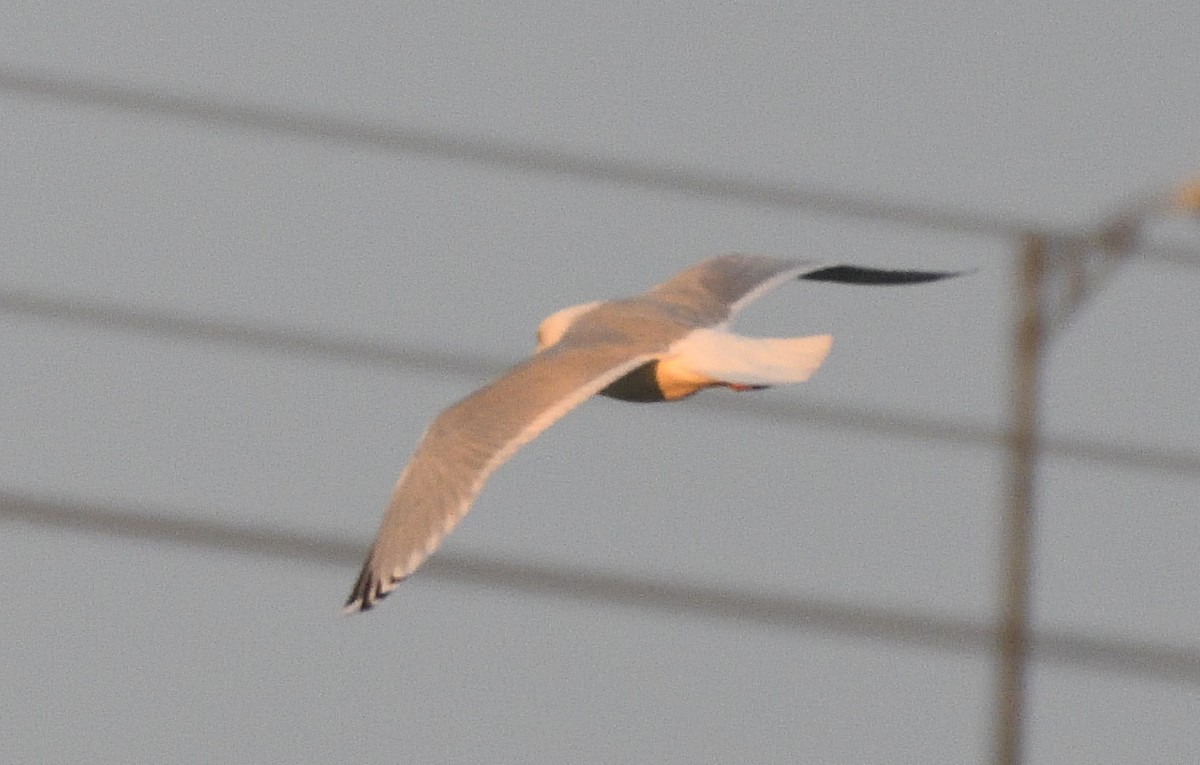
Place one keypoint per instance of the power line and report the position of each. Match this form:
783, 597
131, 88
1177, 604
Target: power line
923, 428
529, 158
284, 341
1063, 648
290, 341
511, 155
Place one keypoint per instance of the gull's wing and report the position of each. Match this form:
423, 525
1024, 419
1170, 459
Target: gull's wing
719, 287
467, 441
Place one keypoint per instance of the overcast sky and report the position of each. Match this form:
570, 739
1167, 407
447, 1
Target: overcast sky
250, 251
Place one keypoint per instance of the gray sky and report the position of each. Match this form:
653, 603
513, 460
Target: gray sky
123, 649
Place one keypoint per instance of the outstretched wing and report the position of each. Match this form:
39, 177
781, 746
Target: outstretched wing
470, 439
719, 287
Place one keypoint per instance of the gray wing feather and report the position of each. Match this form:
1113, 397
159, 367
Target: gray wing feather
719, 287
715, 288
470, 439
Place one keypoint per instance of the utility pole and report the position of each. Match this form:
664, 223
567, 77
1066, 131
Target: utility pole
1013, 634
1056, 274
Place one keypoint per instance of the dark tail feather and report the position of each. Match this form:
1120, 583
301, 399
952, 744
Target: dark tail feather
864, 275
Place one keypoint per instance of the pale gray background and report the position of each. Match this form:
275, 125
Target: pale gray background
120, 650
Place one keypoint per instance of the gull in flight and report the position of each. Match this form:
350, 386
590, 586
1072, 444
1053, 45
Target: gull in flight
663, 345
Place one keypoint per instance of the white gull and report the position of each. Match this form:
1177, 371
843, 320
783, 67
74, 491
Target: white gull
663, 345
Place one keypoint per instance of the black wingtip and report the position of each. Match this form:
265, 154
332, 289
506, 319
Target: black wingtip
876, 276
366, 593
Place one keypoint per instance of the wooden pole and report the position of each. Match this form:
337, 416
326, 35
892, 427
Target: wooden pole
1013, 634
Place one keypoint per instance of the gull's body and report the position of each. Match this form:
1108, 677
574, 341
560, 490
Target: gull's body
663, 345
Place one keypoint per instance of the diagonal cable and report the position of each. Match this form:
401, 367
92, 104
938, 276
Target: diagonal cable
291, 341
525, 157
511, 155
1177, 664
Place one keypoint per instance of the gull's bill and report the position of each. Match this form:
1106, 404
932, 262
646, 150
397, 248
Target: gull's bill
663, 345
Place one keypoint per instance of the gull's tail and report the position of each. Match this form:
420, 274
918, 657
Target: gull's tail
751, 361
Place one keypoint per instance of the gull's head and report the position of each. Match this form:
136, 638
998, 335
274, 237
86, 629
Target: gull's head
554, 326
